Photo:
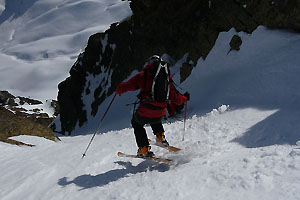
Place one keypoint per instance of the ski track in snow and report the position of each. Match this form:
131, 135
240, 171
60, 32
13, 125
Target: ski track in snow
210, 166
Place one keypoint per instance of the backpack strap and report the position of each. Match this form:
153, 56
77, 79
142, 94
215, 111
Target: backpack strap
150, 69
160, 66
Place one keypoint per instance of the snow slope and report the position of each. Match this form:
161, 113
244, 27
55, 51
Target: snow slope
239, 143
40, 40
210, 166
241, 132
263, 75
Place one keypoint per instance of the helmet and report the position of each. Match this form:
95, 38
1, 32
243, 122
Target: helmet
154, 58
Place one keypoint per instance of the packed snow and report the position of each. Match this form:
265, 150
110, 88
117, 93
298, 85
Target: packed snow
241, 133
210, 166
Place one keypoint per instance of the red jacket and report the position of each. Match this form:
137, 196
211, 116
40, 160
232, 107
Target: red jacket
148, 108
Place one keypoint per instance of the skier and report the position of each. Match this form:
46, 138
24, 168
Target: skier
151, 110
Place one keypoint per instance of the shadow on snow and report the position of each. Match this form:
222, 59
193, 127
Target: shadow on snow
280, 128
15, 9
89, 181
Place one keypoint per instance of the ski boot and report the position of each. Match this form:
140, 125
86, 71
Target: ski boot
145, 152
161, 139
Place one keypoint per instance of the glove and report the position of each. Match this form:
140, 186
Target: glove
187, 95
120, 89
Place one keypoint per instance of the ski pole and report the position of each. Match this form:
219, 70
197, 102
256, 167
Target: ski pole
84, 154
185, 115
185, 111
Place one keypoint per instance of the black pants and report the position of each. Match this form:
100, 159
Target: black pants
138, 123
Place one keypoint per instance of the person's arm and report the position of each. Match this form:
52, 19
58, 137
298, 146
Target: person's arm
176, 97
131, 85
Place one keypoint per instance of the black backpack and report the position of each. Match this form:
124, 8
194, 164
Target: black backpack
160, 88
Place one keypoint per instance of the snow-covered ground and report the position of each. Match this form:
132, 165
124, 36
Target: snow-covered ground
241, 132
210, 166
245, 148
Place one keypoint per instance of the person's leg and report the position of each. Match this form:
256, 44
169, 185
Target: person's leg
139, 131
158, 130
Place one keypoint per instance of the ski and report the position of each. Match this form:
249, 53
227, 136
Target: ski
170, 148
158, 159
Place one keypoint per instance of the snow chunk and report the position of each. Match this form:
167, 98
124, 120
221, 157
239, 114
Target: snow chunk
220, 110
295, 153
223, 108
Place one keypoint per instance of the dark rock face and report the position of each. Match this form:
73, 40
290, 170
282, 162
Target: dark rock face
13, 125
235, 43
172, 27
14, 104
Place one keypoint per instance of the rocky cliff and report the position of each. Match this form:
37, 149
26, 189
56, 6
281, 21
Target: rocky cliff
24, 116
179, 28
